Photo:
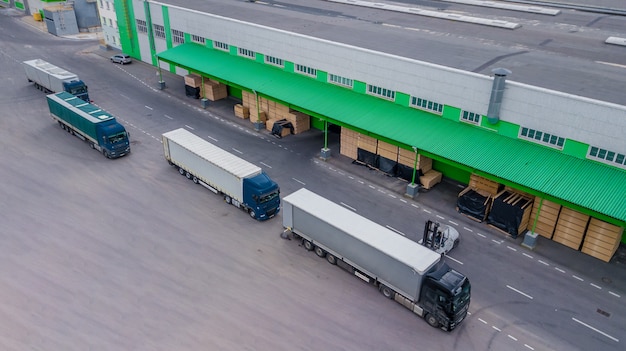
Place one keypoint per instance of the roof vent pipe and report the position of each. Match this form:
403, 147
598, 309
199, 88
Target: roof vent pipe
497, 90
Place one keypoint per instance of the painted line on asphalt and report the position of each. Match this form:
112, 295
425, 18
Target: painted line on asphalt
188, 126
265, 164
395, 230
403, 200
348, 206
511, 248
519, 292
440, 217
454, 259
578, 278
425, 210
481, 235
496, 241
299, 181
528, 347
527, 255
596, 330
559, 269
468, 229
480, 319
496, 328
543, 263
414, 205
168, 117
596, 286
512, 337
237, 151
148, 107
212, 138
614, 294
454, 223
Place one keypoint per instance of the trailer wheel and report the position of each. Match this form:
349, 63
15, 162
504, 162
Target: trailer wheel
307, 245
331, 258
227, 199
432, 321
92, 145
319, 251
181, 171
188, 175
195, 180
386, 291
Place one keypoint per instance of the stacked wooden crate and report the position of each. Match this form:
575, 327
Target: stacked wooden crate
387, 150
602, 239
242, 111
430, 177
570, 228
214, 90
406, 157
480, 183
367, 143
348, 143
545, 223
193, 80
301, 122
474, 203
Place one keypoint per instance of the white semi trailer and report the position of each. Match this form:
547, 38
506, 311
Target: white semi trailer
53, 79
402, 269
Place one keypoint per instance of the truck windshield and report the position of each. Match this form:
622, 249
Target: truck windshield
116, 138
79, 90
461, 298
269, 197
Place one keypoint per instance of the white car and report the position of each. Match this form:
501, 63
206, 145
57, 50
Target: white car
121, 59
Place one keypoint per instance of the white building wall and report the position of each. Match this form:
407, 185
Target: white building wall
582, 119
108, 21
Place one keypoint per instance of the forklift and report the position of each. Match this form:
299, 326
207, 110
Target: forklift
439, 238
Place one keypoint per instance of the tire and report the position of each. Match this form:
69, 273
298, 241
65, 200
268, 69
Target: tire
195, 180
92, 145
227, 199
331, 258
106, 154
181, 171
432, 321
456, 243
307, 245
386, 291
188, 175
320, 252
252, 214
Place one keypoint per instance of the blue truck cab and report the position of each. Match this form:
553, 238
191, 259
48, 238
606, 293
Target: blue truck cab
78, 89
262, 195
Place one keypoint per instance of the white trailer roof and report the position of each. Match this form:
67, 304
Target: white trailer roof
219, 157
51, 69
393, 244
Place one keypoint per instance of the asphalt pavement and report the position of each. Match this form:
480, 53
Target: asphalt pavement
443, 196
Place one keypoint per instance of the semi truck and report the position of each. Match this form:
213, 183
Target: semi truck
241, 183
89, 123
53, 79
402, 269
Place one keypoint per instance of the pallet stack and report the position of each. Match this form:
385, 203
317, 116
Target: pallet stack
429, 177
602, 239
272, 112
406, 157
474, 203
387, 151
489, 186
214, 90
546, 222
301, 122
367, 143
348, 143
510, 212
242, 111
570, 228
193, 82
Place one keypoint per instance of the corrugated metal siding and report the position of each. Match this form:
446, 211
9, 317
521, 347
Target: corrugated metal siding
589, 184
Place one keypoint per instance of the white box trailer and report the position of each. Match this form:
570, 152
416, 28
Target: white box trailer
53, 79
403, 270
241, 183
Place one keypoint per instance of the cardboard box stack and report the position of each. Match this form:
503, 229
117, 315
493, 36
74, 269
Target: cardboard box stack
406, 157
602, 239
274, 111
193, 80
367, 143
214, 90
430, 177
484, 184
387, 150
546, 222
301, 122
348, 143
570, 228
242, 111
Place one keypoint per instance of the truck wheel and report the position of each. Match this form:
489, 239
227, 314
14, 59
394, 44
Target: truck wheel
106, 154
195, 180
227, 199
181, 171
432, 321
252, 214
188, 175
386, 291
331, 258
307, 245
319, 251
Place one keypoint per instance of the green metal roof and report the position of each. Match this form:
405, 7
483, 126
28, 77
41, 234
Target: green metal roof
588, 184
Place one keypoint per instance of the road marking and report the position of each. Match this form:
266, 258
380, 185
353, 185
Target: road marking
403, 200
611, 64
544, 263
468, 229
595, 286
579, 278
614, 294
511, 248
361, 182
301, 182
392, 195
453, 223
454, 259
481, 235
494, 327
528, 346
425, 210
351, 177
190, 127
440, 217
265, 164
596, 330
512, 337
414, 205
496, 241
237, 151
166, 116
348, 206
148, 107
395, 230
559, 269
212, 138
372, 187
519, 292
480, 319
527, 255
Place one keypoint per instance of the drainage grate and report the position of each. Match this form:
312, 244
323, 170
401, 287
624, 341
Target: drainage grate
604, 313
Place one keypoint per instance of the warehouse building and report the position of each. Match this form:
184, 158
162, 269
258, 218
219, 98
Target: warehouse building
528, 163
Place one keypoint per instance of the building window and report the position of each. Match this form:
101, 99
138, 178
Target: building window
100, 1
108, 5
220, 45
197, 39
159, 31
104, 21
110, 22
544, 138
142, 27
178, 36
470, 117
606, 156
381, 92
335, 79
275, 61
306, 70
427, 105
247, 53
